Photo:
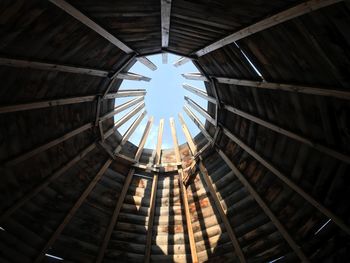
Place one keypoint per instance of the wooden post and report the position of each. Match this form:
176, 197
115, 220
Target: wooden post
184, 194
157, 160
72, 211
188, 136
165, 21
144, 138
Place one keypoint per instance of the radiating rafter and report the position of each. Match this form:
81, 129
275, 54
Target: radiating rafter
132, 76
165, 58
72, 211
194, 76
199, 92
184, 193
148, 63
181, 61
253, 192
165, 21
199, 109
290, 13
144, 138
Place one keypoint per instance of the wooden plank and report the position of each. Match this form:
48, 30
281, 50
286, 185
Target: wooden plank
91, 24
145, 61
152, 209
319, 147
98, 110
165, 58
286, 87
46, 146
72, 211
254, 194
194, 76
288, 182
187, 134
19, 63
115, 215
198, 123
144, 138
184, 194
126, 93
124, 119
130, 131
122, 107
181, 61
165, 21
200, 110
133, 76
199, 92
47, 180
296, 11
219, 207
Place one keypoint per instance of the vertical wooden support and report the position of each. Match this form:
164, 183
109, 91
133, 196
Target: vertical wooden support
184, 194
122, 195
72, 211
222, 213
188, 136
153, 195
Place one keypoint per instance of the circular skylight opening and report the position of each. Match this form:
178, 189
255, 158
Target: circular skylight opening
164, 99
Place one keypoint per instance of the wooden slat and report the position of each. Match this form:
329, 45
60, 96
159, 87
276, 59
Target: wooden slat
181, 61
72, 211
199, 92
114, 217
194, 76
130, 131
48, 145
288, 182
319, 147
222, 213
254, 194
47, 180
122, 107
18, 63
91, 24
200, 110
165, 21
198, 123
286, 87
165, 58
149, 64
144, 138
126, 93
187, 134
184, 194
152, 209
133, 76
296, 11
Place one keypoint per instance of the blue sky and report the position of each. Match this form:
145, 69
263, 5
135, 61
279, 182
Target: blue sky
164, 99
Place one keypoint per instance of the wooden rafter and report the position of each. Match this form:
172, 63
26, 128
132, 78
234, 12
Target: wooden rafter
296, 11
144, 138
188, 136
165, 58
184, 194
181, 61
252, 191
72, 211
152, 209
199, 92
147, 63
133, 76
200, 110
165, 21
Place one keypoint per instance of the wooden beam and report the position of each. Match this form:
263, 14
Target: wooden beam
181, 61
296, 11
199, 92
187, 134
223, 216
19, 63
124, 119
255, 195
91, 24
133, 76
114, 217
319, 147
339, 222
144, 138
152, 209
286, 87
165, 58
98, 110
145, 61
198, 123
165, 21
47, 180
194, 76
44, 147
200, 110
130, 131
126, 93
184, 194
72, 211
122, 107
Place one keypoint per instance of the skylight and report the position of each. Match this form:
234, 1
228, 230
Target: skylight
164, 99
